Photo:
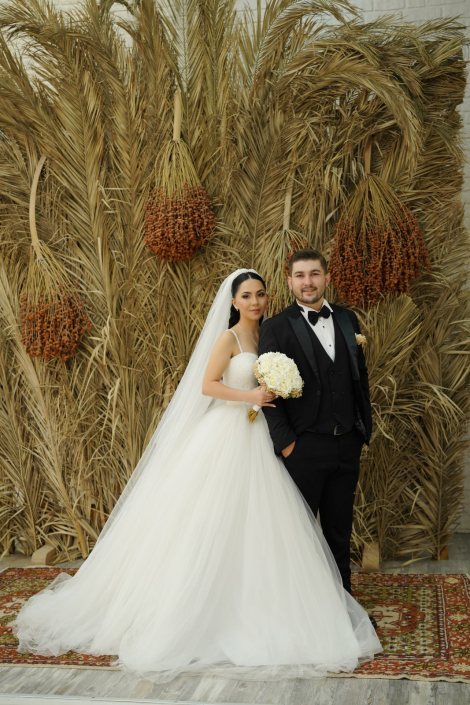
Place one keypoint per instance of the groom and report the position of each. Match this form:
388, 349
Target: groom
320, 435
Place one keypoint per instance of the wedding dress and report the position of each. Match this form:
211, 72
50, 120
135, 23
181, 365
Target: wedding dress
212, 562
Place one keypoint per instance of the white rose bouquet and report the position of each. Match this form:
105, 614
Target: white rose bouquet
279, 374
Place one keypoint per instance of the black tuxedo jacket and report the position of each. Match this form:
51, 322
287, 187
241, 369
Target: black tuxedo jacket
287, 333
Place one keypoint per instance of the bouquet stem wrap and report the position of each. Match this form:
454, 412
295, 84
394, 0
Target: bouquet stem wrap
253, 412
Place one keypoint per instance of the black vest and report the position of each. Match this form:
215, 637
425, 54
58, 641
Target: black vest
337, 404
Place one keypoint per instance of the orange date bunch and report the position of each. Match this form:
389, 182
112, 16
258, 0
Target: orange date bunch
377, 251
53, 325
176, 226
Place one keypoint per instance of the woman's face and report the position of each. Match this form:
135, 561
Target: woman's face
251, 299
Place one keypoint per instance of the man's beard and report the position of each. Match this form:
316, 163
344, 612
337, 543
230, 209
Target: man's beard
318, 295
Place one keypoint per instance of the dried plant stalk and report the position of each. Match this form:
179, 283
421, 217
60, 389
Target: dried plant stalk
52, 312
276, 252
72, 434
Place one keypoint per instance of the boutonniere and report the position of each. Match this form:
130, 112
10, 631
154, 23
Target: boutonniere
360, 339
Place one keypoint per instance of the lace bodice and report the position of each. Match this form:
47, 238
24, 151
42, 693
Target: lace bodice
239, 372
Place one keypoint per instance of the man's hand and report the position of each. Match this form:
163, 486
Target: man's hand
287, 451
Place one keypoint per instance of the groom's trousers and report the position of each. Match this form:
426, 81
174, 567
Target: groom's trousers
325, 468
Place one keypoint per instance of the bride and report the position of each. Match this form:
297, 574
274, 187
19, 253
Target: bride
211, 561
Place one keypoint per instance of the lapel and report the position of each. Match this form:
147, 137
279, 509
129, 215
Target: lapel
301, 332
344, 322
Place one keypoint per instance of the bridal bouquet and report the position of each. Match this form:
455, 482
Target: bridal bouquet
279, 374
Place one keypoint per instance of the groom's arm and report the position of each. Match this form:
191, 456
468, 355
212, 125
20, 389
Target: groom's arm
364, 380
361, 361
281, 431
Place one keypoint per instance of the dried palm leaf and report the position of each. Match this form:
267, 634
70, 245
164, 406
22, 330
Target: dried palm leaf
277, 251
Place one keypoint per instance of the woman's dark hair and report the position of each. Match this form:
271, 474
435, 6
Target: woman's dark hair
234, 314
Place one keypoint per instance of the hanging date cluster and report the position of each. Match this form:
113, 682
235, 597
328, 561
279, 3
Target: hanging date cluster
374, 252
176, 226
53, 326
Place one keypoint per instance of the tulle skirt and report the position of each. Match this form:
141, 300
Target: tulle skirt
216, 566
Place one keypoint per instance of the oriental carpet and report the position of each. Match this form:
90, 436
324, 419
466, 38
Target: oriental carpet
423, 624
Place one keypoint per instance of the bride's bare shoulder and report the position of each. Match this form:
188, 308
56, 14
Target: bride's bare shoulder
225, 342
227, 335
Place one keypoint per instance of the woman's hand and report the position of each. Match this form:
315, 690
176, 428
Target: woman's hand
259, 397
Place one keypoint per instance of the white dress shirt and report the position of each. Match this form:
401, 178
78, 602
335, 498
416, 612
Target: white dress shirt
324, 329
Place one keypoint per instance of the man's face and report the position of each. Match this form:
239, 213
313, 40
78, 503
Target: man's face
308, 281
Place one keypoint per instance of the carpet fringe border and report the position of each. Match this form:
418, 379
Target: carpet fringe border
330, 675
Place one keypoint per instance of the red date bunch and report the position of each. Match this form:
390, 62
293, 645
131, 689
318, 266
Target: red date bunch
379, 258
176, 226
53, 325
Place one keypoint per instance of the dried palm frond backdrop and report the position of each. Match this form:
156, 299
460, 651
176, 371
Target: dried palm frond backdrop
285, 114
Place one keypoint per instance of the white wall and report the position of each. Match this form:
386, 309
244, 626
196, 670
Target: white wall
410, 10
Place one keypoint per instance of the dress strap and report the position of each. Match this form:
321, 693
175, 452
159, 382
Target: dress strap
236, 336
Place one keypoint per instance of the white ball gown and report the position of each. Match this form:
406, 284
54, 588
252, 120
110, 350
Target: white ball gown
216, 566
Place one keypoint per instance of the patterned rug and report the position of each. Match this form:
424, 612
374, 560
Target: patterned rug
424, 624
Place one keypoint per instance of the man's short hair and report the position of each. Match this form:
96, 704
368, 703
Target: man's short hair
302, 255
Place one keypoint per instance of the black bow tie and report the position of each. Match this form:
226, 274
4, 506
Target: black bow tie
313, 316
